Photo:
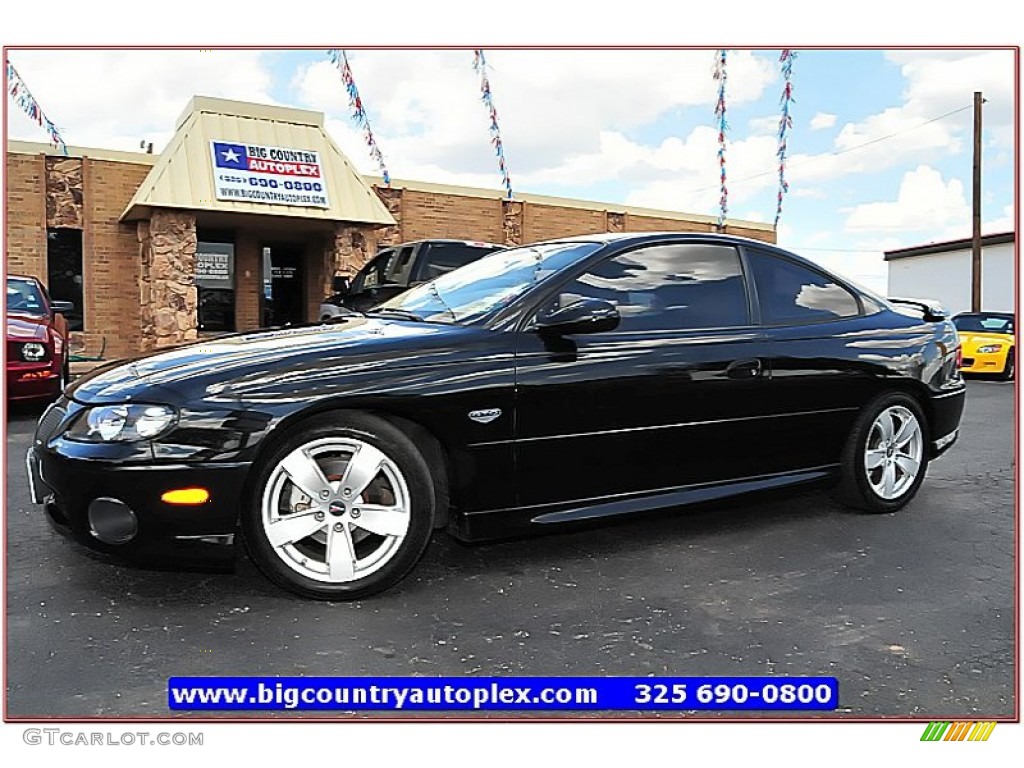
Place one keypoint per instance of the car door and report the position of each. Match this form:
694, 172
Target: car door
662, 401
818, 377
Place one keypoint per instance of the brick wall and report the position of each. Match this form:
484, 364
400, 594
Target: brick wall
26, 215
636, 223
110, 257
428, 215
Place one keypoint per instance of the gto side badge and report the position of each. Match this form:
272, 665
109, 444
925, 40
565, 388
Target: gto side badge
485, 416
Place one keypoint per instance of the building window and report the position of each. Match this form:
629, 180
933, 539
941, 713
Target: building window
64, 272
215, 281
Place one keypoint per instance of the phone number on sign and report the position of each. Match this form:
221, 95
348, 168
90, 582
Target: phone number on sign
737, 694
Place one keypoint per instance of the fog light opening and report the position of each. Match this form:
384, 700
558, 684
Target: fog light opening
186, 496
112, 521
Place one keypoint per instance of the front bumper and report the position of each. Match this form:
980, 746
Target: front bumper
67, 486
32, 381
993, 362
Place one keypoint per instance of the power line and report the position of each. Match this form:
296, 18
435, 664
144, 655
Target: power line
838, 152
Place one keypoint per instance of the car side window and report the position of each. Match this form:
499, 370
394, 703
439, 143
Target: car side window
400, 267
791, 294
442, 258
372, 274
667, 288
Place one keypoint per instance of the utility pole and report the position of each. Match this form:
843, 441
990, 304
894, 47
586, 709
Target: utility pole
976, 213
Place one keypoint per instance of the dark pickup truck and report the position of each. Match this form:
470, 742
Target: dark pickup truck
397, 268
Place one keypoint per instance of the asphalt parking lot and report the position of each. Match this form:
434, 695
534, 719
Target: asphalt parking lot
913, 612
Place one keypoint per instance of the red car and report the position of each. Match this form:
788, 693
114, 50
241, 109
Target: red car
37, 335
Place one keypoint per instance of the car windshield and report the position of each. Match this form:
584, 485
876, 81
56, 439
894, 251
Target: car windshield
984, 323
24, 296
477, 289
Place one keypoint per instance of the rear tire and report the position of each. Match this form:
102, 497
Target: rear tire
342, 507
885, 457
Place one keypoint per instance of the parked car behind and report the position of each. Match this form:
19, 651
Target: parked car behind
37, 334
988, 343
562, 382
399, 267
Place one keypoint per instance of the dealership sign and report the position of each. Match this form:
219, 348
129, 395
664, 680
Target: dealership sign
275, 175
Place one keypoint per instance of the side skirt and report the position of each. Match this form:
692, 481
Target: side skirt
504, 523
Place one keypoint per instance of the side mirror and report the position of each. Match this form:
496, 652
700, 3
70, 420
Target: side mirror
582, 316
340, 284
62, 307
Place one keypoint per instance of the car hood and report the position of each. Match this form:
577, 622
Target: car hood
975, 339
246, 363
23, 327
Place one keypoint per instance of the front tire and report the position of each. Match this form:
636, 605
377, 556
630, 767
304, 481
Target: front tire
340, 509
1009, 367
885, 457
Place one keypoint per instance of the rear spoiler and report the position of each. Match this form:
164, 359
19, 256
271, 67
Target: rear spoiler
932, 311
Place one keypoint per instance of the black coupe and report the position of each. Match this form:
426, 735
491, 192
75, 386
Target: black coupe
554, 383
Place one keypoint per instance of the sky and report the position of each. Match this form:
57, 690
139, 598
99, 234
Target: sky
875, 159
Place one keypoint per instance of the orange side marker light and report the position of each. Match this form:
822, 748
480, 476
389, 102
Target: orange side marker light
186, 496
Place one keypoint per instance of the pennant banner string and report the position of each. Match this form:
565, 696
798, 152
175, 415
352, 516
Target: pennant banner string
785, 125
719, 73
480, 65
359, 116
23, 98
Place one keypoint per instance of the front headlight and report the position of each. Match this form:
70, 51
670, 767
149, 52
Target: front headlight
33, 351
121, 423
989, 349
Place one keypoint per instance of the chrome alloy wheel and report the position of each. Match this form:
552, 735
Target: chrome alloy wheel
336, 509
893, 453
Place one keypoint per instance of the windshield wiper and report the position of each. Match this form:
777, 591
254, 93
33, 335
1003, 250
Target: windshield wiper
402, 314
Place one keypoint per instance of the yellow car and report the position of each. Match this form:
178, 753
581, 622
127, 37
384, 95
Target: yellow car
987, 343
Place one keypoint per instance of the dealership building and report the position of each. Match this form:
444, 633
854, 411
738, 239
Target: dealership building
942, 271
242, 222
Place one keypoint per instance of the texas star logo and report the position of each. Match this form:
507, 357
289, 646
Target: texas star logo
485, 416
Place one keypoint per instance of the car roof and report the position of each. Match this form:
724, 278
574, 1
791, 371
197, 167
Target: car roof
440, 240
983, 313
627, 237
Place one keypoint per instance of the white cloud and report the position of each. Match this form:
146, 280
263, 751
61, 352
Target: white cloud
814, 193
822, 120
1005, 223
114, 99
937, 82
925, 203
560, 111
764, 125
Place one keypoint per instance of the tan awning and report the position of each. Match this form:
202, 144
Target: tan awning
183, 176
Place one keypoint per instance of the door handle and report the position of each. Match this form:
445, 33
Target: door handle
744, 369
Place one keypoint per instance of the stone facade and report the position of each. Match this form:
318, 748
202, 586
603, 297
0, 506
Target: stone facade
167, 288
64, 192
351, 248
392, 199
512, 222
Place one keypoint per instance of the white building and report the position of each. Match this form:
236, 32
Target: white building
942, 271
